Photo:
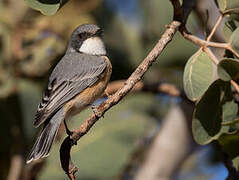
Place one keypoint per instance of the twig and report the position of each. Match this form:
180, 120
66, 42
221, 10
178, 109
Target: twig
135, 77
205, 44
232, 50
215, 27
216, 61
202, 42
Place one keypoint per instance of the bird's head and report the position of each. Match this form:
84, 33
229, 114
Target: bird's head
87, 39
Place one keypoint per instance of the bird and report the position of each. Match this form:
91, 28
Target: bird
79, 78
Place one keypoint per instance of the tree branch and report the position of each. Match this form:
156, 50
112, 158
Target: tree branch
215, 27
135, 77
203, 43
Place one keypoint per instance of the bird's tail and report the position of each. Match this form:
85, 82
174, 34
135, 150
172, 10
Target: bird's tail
44, 142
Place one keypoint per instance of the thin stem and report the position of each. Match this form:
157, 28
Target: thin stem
215, 28
216, 61
232, 50
202, 42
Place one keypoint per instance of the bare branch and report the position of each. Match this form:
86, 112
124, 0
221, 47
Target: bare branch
135, 77
203, 43
215, 27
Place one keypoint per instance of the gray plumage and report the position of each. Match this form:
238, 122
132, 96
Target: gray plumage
73, 74
44, 142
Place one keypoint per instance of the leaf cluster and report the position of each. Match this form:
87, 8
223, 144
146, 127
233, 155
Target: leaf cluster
216, 115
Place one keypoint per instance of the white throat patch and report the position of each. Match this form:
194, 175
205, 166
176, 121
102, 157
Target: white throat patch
93, 46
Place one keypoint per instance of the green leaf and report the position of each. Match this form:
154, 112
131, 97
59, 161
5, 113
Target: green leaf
230, 110
228, 69
46, 7
232, 122
198, 75
229, 27
234, 40
206, 124
229, 107
229, 6
230, 144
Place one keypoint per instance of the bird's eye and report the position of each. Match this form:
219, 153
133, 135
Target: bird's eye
81, 35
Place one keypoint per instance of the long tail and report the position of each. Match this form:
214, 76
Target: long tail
44, 142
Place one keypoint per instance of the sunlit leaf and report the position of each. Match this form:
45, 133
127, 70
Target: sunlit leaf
46, 7
230, 110
228, 69
234, 40
207, 117
198, 75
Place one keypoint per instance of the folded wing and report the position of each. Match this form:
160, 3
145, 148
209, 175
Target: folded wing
72, 75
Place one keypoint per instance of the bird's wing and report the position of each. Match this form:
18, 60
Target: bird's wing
72, 75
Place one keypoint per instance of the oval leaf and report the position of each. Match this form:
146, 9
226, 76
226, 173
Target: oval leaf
206, 124
234, 40
230, 110
229, 27
198, 75
46, 7
228, 6
228, 69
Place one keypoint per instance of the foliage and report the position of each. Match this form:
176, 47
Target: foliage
47, 7
228, 6
198, 75
216, 110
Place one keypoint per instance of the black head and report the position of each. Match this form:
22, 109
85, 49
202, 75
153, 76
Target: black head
83, 32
